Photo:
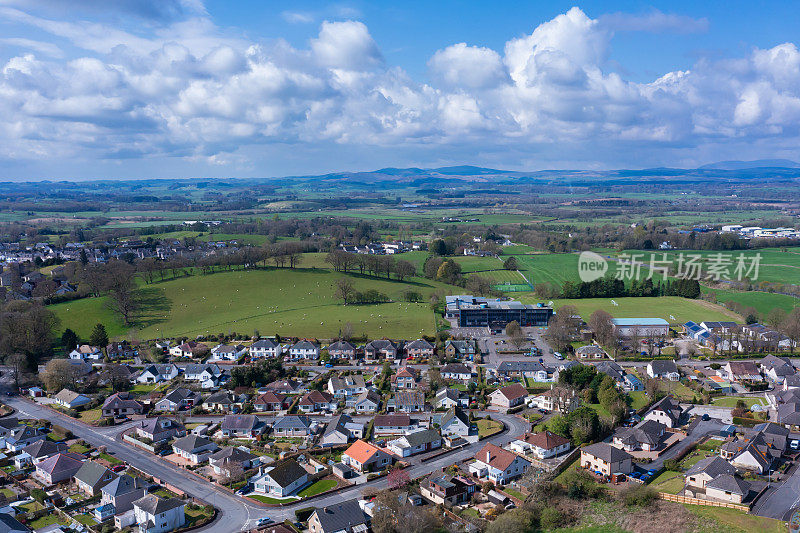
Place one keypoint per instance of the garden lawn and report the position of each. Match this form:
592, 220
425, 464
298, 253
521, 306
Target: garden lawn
110, 458
196, 515
730, 401
86, 520
267, 499
488, 427
48, 520
284, 301
79, 448
90, 415
731, 520
668, 481
515, 493
320, 486
639, 399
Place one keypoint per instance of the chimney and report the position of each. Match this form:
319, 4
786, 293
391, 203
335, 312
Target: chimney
488, 456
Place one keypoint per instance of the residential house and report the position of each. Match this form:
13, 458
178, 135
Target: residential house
405, 378
304, 349
227, 353
37, 452
194, 448
242, 426
666, 411
705, 470
419, 348
419, 441
509, 396
523, 369
406, 402
366, 457
367, 402
742, 371
230, 460
158, 373
455, 422
590, 351
201, 373
281, 480
447, 398
84, 352
9, 524
178, 399
648, 435
121, 350
462, 349
346, 387
380, 349
265, 349
392, 424
6, 426
342, 350
541, 445
606, 459
283, 386
122, 491
612, 370
456, 372
22, 436
497, 465
337, 431
342, 517
121, 404
443, 489
293, 426
663, 369
91, 477
776, 369
71, 399
224, 402
59, 467
187, 349
728, 488
159, 515
271, 401
160, 429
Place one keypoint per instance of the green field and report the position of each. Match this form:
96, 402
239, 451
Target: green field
488, 267
664, 307
763, 302
730, 401
552, 268
288, 302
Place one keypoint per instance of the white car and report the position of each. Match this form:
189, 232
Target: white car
794, 444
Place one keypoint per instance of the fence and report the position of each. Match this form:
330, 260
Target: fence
513, 287
697, 501
137, 442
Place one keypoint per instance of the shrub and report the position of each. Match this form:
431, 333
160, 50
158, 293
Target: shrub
304, 514
671, 464
641, 495
551, 518
39, 495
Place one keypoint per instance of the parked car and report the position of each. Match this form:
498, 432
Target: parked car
794, 444
264, 521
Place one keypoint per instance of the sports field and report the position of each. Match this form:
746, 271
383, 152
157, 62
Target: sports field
552, 268
763, 302
673, 309
488, 267
283, 301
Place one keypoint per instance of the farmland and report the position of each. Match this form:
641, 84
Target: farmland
664, 307
289, 302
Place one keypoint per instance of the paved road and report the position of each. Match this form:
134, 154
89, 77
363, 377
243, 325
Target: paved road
237, 513
779, 501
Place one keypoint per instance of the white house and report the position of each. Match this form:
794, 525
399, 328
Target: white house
84, 351
226, 352
159, 515
416, 442
265, 348
498, 465
158, 373
194, 448
541, 445
281, 480
71, 399
304, 349
663, 369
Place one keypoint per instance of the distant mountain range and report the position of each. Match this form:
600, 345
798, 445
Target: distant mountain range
758, 163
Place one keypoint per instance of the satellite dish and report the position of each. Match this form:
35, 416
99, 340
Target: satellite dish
671, 317
550, 303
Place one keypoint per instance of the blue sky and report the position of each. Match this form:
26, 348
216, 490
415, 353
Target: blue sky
182, 88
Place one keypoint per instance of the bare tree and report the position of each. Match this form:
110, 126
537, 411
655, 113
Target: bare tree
345, 290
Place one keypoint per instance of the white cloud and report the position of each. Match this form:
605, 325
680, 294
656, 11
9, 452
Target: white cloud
346, 45
297, 17
48, 49
190, 93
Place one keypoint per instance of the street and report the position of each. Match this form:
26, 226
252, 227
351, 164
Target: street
236, 513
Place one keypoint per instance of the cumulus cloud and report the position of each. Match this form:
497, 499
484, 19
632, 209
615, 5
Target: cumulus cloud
187, 92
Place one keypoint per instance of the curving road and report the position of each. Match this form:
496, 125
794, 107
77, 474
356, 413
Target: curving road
235, 513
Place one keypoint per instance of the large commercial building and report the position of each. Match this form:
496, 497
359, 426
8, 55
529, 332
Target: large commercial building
641, 327
475, 311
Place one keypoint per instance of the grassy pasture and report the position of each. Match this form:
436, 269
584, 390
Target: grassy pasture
288, 302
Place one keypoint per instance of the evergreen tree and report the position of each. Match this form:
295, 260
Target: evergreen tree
99, 337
